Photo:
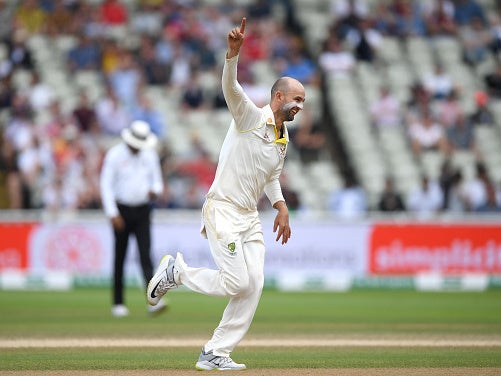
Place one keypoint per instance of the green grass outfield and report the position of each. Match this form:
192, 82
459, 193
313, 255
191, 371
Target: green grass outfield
43, 330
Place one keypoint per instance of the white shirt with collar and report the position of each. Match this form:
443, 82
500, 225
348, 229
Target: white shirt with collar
251, 159
127, 178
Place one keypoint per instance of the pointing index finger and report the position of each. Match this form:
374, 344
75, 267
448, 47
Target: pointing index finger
242, 25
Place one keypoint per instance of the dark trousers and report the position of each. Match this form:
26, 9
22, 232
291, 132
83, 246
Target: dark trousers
137, 222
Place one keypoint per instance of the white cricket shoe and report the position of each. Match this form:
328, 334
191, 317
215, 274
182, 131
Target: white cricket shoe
207, 361
119, 310
162, 281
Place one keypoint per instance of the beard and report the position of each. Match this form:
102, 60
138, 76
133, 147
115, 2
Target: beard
287, 111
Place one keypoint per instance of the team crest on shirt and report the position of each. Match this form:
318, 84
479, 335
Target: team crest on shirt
232, 249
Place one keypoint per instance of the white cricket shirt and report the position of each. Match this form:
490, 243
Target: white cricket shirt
127, 178
252, 156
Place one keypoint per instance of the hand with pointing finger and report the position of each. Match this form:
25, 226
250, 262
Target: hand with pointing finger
236, 39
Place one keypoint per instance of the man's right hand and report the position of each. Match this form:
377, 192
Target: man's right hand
235, 40
118, 223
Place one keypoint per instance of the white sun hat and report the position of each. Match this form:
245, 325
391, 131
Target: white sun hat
139, 135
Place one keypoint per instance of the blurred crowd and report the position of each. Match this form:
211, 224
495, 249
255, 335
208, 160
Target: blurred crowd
432, 115
51, 153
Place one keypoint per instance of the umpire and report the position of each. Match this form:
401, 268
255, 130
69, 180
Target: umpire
130, 179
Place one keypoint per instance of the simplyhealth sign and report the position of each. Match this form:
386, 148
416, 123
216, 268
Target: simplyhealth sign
450, 248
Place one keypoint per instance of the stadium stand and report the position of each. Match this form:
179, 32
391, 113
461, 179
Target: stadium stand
388, 44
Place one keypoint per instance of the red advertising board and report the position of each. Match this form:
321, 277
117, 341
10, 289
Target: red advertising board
449, 248
14, 238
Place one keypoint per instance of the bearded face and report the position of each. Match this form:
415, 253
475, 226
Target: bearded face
290, 109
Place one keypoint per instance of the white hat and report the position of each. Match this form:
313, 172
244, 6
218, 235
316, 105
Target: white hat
139, 135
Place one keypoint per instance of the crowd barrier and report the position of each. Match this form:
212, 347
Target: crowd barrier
324, 253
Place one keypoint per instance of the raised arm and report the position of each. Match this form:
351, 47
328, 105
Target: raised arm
235, 40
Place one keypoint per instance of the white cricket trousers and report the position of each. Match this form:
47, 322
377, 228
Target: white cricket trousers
237, 246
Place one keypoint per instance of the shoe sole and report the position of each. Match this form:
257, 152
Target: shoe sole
202, 367
159, 311
159, 270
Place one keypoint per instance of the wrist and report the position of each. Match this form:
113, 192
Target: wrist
232, 53
280, 205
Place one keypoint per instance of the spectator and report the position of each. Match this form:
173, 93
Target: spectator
113, 13
10, 179
409, 20
110, 57
427, 134
336, 60
461, 136
467, 10
426, 199
482, 113
308, 137
192, 95
86, 55
204, 58
7, 92
112, 116
449, 110
438, 83
154, 71
383, 20
481, 192
59, 195
53, 126
390, 200
439, 18
146, 19
299, 66
385, 110
86, 21
456, 200
347, 14
495, 30
475, 39
493, 82
59, 19
180, 72
126, 80
20, 130
146, 111
40, 94
365, 41
29, 16
18, 52
418, 103
350, 201
84, 115
447, 172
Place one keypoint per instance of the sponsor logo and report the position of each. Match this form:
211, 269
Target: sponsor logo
231, 248
411, 249
74, 249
